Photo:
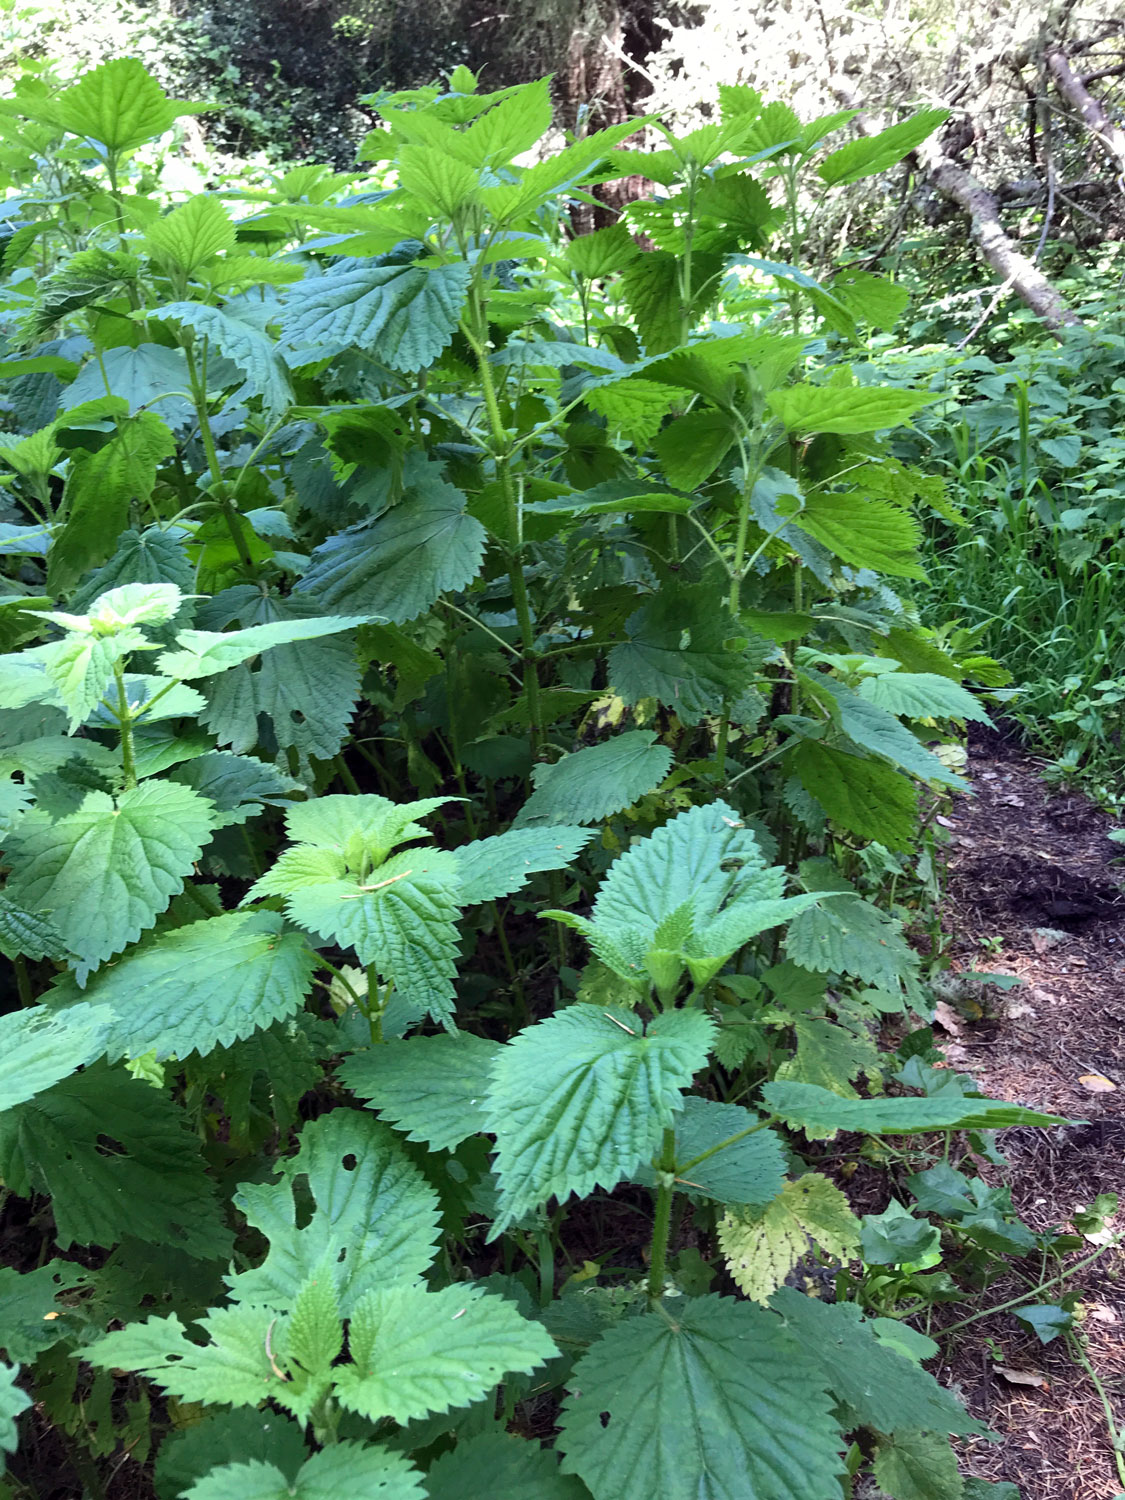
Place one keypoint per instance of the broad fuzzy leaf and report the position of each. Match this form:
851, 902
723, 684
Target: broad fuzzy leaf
240, 1435
119, 105
118, 1158
374, 1216
252, 352
139, 376
873, 728
762, 1245
677, 652
807, 409
597, 781
237, 786
866, 797
431, 1087
490, 868
30, 1311
13, 1401
340, 1472
232, 1368
204, 986
883, 1388
806, 1105
395, 567
751, 1170
829, 1055
38, 1048
81, 668
693, 446
192, 234
204, 653
712, 1397
876, 153
500, 1466
404, 315
104, 873
416, 1351
848, 935
864, 533
922, 695
27, 933
917, 1466
579, 1100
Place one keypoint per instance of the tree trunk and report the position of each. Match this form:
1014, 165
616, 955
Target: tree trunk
993, 240
1074, 90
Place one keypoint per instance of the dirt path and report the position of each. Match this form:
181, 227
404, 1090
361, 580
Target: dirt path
1033, 874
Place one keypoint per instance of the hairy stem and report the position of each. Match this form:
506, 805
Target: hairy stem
662, 1219
125, 719
230, 515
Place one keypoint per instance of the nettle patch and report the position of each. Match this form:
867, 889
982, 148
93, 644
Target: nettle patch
455, 695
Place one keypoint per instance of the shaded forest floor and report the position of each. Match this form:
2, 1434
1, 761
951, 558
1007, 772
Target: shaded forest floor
1035, 891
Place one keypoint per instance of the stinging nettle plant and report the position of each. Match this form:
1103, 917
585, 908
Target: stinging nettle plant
388, 570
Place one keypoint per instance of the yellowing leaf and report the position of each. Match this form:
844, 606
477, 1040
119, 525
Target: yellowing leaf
762, 1245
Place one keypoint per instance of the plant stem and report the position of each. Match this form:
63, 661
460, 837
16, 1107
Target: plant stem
1115, 1433
23, 981
662, 1219
731, 1140
125, 718
1035, 1291
230, 515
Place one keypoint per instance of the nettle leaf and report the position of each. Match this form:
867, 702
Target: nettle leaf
341, 1472
751, 1170
500, 1466
922, 695
865, 533
867, 797
416, 1351
404, 315
808, 1106
873, 728
30, 1311
685, 650
251, 351
189, 236
829, 1055
117, 1158
222, 1437
876, 153
806, 409
602, 252
100, 488
597, 781
306, 689
38, 1048
140, 376
709, 1397
150, 556
490, 868
883, 1388
761, 1245
871, 299
27, 933
13, 1401
848, 935
119, 105
917, 1466
232, 1369
204, 986
205, 653
374, 1219
432, 1087
104, 873
579, 1100
237, 786
693, 446
396, 566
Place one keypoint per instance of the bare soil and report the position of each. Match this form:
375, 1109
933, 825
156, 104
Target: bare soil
1036, 890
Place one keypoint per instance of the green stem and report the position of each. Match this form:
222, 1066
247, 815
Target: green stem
125, 719
731, 1140
662, 1218
230, 515
1115, 1433
1035, 1291
345, 775
23, 981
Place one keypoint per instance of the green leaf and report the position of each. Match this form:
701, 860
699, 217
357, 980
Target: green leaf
30, 1314
806, 1105
579, 1100
204, 986
204, 653
693, 446
871, 299
374, 1216
238, 786
922, 695
500, 1466
751, 1170
603, 252
38, 1048
100, 488
917, 1466
151, 556
710, 1397
403, 315
118, 1158
252, 352
226, 1437
104, 873
873, 728
490, 868
119, 105
307, 690
416, 1351
875, 153
231, 1369
192, 234
848, 935
761, 1245
865, 533
395, 567
1045, 1319
806, 409
895, 1237
341, 1472
27, 933
139, 376
597, 781
431, 1087
685, 650
867, 797
637, 408
883, 1388
13, 1401
829, 1055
